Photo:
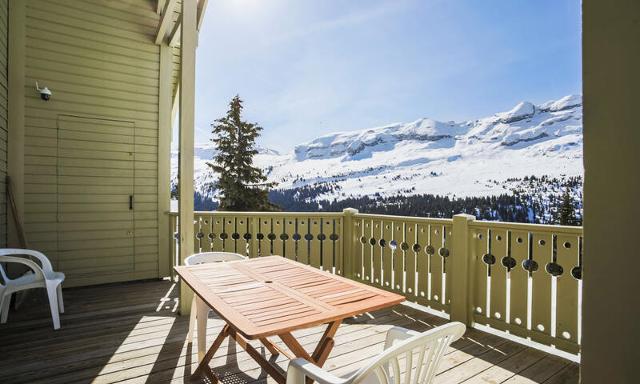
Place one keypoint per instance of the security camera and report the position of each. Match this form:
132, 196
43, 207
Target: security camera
45, 93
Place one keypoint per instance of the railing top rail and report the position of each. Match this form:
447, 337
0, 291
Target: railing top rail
262, 214
403, 218
527, 227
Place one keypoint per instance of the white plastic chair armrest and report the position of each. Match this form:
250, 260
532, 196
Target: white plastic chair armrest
300, 369
397, 334
29, 263
46, 264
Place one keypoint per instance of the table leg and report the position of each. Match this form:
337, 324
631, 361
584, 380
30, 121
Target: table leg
320, 354
272, 370
203, 367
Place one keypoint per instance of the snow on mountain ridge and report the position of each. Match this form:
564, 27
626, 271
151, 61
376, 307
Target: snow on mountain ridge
429, 156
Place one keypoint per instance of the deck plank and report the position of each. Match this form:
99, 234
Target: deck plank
130, 333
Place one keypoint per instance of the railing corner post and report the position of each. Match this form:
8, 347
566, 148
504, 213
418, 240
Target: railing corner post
347, 241
461, 285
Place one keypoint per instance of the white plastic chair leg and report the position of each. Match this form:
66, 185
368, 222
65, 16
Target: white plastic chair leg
202, 317
4, 309
60, 301
53, 305
192, 320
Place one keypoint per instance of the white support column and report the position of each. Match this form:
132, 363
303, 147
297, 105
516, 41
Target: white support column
187, 122
164, 158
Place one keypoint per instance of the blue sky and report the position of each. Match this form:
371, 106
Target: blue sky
310, 67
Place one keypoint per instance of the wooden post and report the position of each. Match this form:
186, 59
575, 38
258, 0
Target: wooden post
347, 242
187, 122
460, 271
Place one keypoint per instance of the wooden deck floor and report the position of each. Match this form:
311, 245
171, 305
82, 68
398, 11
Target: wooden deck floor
129, 333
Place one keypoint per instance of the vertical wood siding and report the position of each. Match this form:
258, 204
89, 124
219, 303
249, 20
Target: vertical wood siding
3, 121
100, 61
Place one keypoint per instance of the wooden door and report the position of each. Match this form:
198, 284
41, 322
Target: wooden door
96, 202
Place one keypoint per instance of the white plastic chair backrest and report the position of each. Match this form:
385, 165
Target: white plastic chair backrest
8, 255
212, 257
412, 361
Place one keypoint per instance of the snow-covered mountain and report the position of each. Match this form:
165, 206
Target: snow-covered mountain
469, 158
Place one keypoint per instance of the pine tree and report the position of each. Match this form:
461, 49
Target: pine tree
566, 211
242, 186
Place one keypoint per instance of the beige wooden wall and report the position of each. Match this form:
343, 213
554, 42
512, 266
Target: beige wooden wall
100, 61
3, 121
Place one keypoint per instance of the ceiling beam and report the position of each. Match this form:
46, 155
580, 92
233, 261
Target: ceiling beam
160, 6
202, 7
174, 36
165, 20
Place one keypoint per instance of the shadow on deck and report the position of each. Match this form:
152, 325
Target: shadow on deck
130, 333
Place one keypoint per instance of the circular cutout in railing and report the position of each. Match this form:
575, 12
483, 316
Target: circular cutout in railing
519, 240
247, 236
443, 252
235, 235
334, 237
478, 310
479, 236
430, 250
284, 237
363, 240
271, 236
530, 265
260, 236
211, 236
498, 238
567, 244
224, 236
540, 327
393, 244
541, 242
199, 235
576, 272
404, 246
383, 243
554, 269
296, 236
206, 221
417, 247
489, 259
566, 335
322, 237
176, 235
308, 237
509, 262
517, 320
372, 241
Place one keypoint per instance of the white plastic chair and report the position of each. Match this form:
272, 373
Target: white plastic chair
204, 258
40, 276
409, 357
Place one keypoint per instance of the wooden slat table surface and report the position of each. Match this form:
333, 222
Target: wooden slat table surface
262, 297
273, 296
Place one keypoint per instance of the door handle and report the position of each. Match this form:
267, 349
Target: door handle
130, 202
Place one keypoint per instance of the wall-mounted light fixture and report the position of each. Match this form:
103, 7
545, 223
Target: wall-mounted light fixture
45, 93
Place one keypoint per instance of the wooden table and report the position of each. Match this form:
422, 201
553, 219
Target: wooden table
273, 296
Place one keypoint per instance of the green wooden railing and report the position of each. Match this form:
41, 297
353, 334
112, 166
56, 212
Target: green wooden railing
522, 279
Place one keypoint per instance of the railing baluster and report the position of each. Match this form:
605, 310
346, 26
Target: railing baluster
387, 253
519, 278
288, 232
422, 261
498, 275
398, 256
542, 254
568, 253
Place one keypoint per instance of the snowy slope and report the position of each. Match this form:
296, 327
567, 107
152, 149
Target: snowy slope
470, 158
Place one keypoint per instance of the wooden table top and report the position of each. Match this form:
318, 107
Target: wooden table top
267, 296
